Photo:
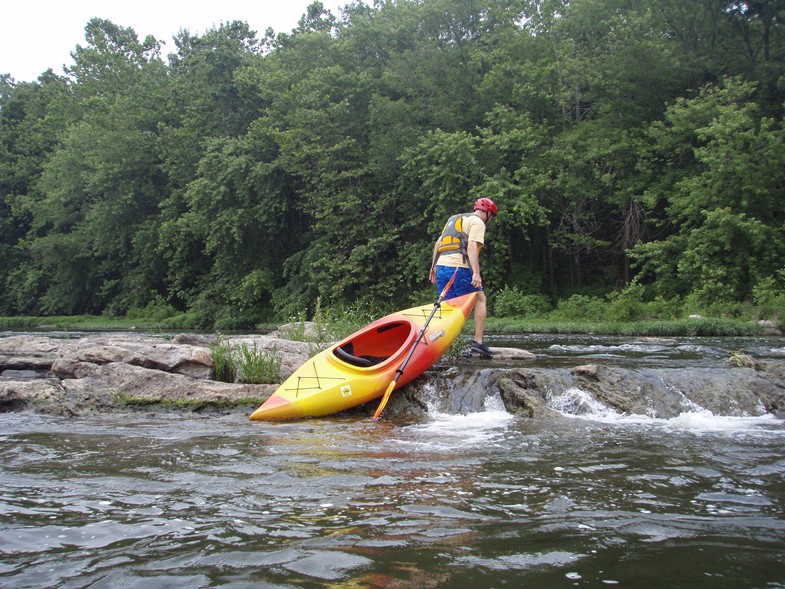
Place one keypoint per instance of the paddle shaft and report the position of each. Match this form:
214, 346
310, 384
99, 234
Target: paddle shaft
399, 372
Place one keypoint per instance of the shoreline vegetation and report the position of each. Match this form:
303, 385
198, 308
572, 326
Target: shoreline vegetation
620, 313
695, 326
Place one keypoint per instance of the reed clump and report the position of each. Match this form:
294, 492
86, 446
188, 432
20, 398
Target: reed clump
241, 362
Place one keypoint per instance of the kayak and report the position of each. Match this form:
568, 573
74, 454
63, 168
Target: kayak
360, 367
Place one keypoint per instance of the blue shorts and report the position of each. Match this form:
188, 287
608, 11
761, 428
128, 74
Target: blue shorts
462, 284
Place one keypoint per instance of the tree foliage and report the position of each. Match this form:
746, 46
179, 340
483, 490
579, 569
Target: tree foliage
245, 176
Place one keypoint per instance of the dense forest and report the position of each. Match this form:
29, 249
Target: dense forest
631, 146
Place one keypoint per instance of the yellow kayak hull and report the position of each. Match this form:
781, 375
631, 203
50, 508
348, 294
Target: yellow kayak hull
359, 368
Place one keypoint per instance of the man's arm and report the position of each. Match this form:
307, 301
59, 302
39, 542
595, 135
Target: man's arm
473, 251
432, 273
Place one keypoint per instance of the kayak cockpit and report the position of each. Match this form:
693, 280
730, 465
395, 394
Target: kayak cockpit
346, 354
376, 345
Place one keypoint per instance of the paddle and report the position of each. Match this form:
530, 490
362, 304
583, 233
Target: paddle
400, 370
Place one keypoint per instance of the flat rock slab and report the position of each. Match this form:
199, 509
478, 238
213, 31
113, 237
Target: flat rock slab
103, 372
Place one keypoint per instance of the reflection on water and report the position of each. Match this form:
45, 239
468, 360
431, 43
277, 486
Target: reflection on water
479, 500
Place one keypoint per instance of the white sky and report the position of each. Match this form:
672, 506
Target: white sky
41, 34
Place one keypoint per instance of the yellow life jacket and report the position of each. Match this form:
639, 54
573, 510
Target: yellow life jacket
453, 239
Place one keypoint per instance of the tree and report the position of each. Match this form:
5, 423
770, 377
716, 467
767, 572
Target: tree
33, 117
724, 191
101, 183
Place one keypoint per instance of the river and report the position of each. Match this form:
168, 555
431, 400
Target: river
481, 500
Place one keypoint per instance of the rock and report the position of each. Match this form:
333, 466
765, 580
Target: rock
20, 352
734, 391
590, 371
504, 354
660, 393
21, 374
771, 327
195, 339
72, 368
630, 392
742, 360
526, 394
29, 346
111, 372
194, 361
104, 372
139, 385
512, 354
41, 395
300, 329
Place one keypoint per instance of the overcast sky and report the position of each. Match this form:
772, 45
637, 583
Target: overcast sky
37, 35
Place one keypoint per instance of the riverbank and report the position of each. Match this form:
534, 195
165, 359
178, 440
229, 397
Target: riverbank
692, 326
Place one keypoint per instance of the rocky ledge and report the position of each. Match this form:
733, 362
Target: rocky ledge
104, 372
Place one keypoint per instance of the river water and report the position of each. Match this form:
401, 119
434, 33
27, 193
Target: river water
475, 501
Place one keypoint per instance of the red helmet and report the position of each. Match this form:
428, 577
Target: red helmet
486, 204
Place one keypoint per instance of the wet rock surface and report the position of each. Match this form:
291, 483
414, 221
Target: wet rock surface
102, 372
544, 392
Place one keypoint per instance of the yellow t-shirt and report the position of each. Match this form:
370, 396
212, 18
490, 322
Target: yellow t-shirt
475, 229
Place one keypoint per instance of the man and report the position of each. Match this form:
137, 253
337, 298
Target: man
459, 246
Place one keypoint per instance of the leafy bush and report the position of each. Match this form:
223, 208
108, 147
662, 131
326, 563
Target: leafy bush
230, 321
660, 308
581, 308
769, 295
627, 304
188, 320
155, 310
337, 323
510, 302
695, 304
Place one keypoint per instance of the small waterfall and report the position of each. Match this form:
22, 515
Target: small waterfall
577, 402
614, 378
456, 391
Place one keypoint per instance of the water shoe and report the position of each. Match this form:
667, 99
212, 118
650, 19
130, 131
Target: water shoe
482, 349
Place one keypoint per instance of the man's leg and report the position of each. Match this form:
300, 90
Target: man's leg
480, 315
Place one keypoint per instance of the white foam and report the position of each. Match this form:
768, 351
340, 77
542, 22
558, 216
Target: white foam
575, 402
706, 421
579, 404
478, 427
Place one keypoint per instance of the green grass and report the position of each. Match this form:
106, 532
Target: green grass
335, 325
708, 326
244, 363
183, 322
257, 365
77, 322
